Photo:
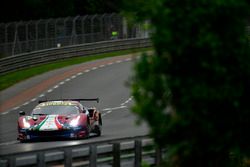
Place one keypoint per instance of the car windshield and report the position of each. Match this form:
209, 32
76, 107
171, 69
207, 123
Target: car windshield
56, 110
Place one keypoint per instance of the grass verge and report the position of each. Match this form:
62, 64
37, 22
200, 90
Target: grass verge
12, 78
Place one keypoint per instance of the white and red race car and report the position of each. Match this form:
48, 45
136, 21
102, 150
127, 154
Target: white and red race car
60, 119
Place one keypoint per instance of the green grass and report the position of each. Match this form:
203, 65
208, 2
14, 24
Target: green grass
12, 78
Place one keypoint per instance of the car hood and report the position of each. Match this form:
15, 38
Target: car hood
46, 122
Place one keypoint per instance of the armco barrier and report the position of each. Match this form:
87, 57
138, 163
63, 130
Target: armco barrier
21, 61
118, 152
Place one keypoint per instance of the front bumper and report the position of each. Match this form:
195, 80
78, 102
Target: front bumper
72, 133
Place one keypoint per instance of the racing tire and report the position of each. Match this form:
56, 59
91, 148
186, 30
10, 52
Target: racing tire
100, 119
24, 141
98, 129
88, 128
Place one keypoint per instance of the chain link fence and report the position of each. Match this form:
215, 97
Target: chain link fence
22, 37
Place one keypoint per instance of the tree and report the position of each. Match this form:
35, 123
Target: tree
194, 91
44, 9
35, 9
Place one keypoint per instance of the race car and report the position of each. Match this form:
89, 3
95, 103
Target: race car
64, 118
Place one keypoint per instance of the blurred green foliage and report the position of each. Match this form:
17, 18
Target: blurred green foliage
194, 91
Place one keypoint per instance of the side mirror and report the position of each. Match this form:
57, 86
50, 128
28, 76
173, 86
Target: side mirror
21, 113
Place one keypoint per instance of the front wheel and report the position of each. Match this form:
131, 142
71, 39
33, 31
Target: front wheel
88, 128
98, 128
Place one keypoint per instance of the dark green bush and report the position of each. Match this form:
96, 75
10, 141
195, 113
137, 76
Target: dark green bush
194, 92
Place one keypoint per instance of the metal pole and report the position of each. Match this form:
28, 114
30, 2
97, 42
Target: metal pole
6, 50
102, 27
158, 156
83, 29
73, 34
93, 156
116, 155
15, 38
11, 161
138, 153
57, 36
36, 38
92, 28
27, 37
124, 28
65, 39
46, 33
68, 157
40, 159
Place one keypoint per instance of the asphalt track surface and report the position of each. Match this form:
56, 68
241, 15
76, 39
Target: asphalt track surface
104, 78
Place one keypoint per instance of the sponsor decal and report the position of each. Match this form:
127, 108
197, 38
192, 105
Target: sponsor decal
56, 103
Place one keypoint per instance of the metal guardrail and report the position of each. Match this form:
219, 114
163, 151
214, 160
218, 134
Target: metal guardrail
117, 152
22, 61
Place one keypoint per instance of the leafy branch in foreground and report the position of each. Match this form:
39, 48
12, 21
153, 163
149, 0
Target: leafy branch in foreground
194, 91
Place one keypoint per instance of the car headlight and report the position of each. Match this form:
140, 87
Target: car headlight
74, 122
26, 124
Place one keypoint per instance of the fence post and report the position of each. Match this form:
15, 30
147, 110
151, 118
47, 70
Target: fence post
15, 39
138, 153
83, 22
93, 156
40, 159
116, 155
124, 28
68, 157
92, 27
158, 156
11, 161
73, 33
